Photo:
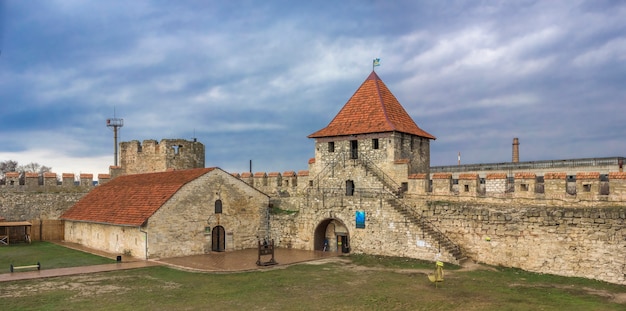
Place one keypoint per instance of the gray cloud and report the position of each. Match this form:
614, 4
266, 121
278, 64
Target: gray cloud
251, 80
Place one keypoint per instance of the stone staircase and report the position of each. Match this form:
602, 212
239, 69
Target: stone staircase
394, 199
428, 228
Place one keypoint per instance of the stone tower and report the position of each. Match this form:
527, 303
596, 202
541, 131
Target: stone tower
374, 129
152, 156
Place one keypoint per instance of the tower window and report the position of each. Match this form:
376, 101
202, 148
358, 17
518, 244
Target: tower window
354, 149
331, 146
375, 143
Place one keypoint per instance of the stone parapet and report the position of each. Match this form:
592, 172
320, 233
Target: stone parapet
442, 183
525, 185
419, 183
496, 183
468, 184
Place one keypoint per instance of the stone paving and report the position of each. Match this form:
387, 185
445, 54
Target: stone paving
232, 261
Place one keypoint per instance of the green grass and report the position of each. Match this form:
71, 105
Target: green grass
395, 262
48, 254
363, 283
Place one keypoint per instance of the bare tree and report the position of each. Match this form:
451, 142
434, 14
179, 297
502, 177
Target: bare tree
13, 166
8, 166
33, 167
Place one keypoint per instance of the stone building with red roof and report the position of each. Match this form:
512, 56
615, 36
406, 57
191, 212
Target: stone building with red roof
169, 214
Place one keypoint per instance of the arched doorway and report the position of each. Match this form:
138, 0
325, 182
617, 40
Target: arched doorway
218, 239
332, 235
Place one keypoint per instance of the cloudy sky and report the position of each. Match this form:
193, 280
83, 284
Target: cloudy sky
251, 79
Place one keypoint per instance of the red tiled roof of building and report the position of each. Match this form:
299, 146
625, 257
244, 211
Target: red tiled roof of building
104, 176
68, 175
442, 176
418, 176
130, 200
468, 176
49, 175
303, 173
273, 174
617, 175
289, 174
311, 160
372, 109
491, 176
83, 176
588, 175
555, 175
246, 175
31, 174
401, 161
12, 174
259, 175
525, 175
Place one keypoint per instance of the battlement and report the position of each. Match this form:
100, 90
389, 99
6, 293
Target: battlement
564, 187
152, 156
50, 181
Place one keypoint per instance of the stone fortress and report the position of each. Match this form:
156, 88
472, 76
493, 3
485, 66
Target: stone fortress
370, 189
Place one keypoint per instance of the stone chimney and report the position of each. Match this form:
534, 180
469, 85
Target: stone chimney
515, 150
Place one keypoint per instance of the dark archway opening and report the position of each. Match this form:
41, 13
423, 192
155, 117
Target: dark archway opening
331, 235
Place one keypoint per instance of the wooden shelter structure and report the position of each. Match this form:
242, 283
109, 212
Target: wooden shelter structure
17, 231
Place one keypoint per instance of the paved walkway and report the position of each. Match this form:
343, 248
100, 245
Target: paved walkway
233, 261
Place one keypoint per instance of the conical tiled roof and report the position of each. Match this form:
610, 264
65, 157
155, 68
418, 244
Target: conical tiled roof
372, 109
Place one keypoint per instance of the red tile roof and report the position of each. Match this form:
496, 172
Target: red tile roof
131, 199
588, 175
372, 109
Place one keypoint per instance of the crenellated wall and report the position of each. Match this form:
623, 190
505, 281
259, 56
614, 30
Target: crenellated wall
571, 224
49, 181
29, 196
552, 188
152, 156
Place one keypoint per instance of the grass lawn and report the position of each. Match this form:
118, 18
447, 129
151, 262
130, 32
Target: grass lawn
357, 282
48, 254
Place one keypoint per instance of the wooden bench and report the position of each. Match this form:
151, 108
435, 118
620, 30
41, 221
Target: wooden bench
13, 268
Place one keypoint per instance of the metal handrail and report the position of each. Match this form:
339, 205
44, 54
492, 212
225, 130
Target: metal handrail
547, 164
325, 170
382, 176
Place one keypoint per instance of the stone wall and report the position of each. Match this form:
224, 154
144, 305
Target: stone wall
581, 242
387, 231
113, 239
183, 225
25, 197
152, 156
26, 206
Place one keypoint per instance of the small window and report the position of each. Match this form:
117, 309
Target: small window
466, 188
524, 187
310, 183
349, 187
218, 206
331, 146
375, 143
587, 187
354, 149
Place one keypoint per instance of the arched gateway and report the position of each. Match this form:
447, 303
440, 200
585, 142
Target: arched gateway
332, 235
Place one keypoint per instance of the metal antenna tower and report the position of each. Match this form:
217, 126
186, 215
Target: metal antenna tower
115, 123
